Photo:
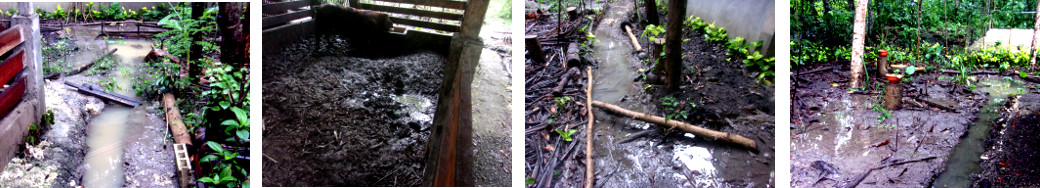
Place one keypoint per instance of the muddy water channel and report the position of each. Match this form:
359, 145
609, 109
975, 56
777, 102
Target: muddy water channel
965, 158
832, 128
116, 126
652, 157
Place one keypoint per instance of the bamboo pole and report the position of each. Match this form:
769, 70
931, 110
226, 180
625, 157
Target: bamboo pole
699, 131
589, 175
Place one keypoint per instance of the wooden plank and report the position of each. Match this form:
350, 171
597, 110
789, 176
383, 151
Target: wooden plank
449, 153
410, 11
98, 92
282, 7
11, 96
285, 18
10, 38
460, 5
12, 66
425, 24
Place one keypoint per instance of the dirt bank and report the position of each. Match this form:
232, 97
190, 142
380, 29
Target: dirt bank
55, 161
1011, 149
342, 120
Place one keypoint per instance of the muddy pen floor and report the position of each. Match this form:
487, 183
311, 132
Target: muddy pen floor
633, 153
935, 139
338, 119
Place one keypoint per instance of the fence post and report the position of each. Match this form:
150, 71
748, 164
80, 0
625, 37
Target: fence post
30, 21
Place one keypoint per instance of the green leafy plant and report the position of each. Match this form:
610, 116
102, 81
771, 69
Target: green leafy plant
224, 160
715, 34
560, 103
652, 32
676, 108
566, 134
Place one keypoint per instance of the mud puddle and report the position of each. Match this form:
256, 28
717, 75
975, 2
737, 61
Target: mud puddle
964, 160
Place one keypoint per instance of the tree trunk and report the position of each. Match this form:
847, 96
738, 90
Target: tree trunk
1036, 39
195, 53
673, 43
235, 33
858, 29
651, 12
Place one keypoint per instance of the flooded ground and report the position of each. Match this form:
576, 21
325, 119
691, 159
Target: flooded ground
831, 126
345, 120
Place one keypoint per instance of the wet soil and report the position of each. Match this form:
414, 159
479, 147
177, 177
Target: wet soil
1008, 159
831, 125
632, 153
341, 120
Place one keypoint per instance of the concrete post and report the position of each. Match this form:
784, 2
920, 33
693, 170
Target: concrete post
30, 21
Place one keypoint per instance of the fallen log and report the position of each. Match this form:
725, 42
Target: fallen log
590, 177
100, 93
174, 120
937, 105
566, 78
699, 131
635, 42
81, 68
573, 60
534, 48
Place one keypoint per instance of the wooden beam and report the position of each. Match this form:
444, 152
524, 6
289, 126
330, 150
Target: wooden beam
11, 66
426, 24
10, 38
460, 5
282, 7
11, 96
98, 92
411, 11
285, 18
474, 19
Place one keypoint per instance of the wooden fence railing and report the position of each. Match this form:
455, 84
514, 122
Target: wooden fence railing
12, 65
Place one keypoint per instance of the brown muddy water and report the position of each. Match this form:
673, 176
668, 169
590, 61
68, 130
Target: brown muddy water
116, 125
660, 160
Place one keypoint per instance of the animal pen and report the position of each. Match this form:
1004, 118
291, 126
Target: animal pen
447, 27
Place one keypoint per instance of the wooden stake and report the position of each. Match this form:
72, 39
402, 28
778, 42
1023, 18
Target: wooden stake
534, 48
589, 175
699, 131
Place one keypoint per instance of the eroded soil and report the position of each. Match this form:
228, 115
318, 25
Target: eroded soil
1008, 160
337, 120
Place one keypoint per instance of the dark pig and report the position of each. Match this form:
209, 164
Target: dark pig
352, 23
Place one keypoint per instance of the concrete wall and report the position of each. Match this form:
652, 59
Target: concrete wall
751, 19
